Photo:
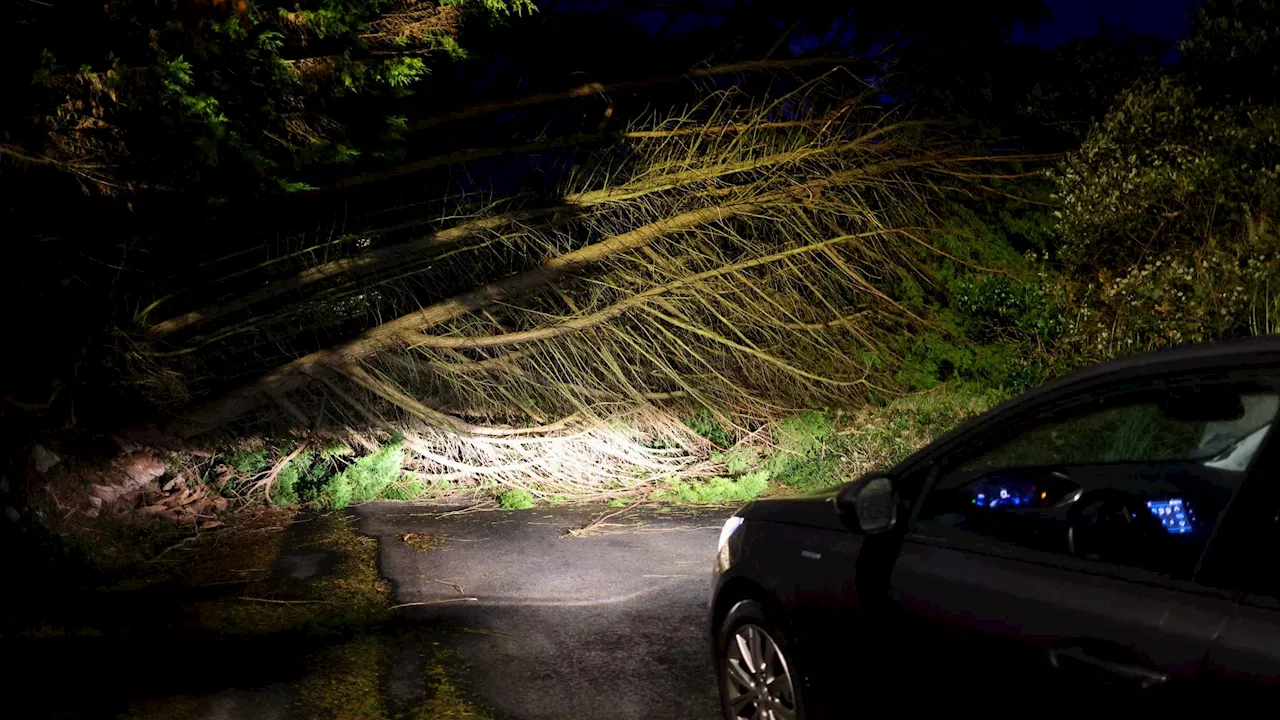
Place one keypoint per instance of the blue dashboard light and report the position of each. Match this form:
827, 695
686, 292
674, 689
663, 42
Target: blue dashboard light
1005, 493
1176, 516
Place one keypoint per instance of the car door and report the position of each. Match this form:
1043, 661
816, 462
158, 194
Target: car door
1243, 666
1050, 567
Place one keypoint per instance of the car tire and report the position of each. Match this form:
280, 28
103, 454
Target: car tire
755, 666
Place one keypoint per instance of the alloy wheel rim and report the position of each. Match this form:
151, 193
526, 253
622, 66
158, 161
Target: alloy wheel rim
757, 677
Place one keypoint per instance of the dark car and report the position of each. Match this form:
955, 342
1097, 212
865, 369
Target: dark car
1105, 544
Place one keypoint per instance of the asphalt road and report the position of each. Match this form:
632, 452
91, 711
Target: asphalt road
608, 625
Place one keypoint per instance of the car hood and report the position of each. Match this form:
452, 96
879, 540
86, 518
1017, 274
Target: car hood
816, 510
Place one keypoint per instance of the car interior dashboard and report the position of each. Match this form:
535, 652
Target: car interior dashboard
1154, 516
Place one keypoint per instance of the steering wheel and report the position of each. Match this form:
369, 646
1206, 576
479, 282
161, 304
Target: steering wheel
1110, 527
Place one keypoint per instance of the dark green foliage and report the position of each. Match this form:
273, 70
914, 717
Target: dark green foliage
247, 462
932, 360
705, 424
367, 478
799, 438
221, 97
998, 307
738, 459
304, 478
1167, 222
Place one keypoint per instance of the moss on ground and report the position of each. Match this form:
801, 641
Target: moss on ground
446, 701
354, 593
424, 542
349, 605
345, 682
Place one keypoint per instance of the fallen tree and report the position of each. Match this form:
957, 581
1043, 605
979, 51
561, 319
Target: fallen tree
751, 272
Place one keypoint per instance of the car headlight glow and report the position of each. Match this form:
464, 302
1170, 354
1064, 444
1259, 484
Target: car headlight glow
730, 526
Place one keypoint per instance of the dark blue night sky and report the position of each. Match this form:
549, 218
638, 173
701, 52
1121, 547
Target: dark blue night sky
1169, 19
1071, 19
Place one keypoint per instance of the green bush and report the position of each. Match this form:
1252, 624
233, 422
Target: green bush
883, 437
714, 491
365, 479
798, 438
285, 491
998, 307
247, 462
705, 424
515, 499
813, 474
406, 490
931, 360
738, 459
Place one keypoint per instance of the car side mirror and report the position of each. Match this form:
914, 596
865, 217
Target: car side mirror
872, 503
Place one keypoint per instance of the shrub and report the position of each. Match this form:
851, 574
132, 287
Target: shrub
285, 491
738, 459
715, 491
515, 499
813, 474
247, 462
406, 490
705, 424
365, 479
997, 307
798, 438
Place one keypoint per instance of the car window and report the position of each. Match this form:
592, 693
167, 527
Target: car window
1137, 478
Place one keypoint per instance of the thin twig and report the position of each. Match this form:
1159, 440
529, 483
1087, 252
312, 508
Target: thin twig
455, 586
287, 602
434, 602
594, 524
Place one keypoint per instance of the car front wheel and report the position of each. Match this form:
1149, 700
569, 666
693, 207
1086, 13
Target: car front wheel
757, 677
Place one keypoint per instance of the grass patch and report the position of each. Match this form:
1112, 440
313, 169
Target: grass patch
820, 456
815, 474
515, 500
715, 491
447, 701
408, 489
881, 437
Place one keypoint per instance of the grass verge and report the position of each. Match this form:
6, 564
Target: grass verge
814, 450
